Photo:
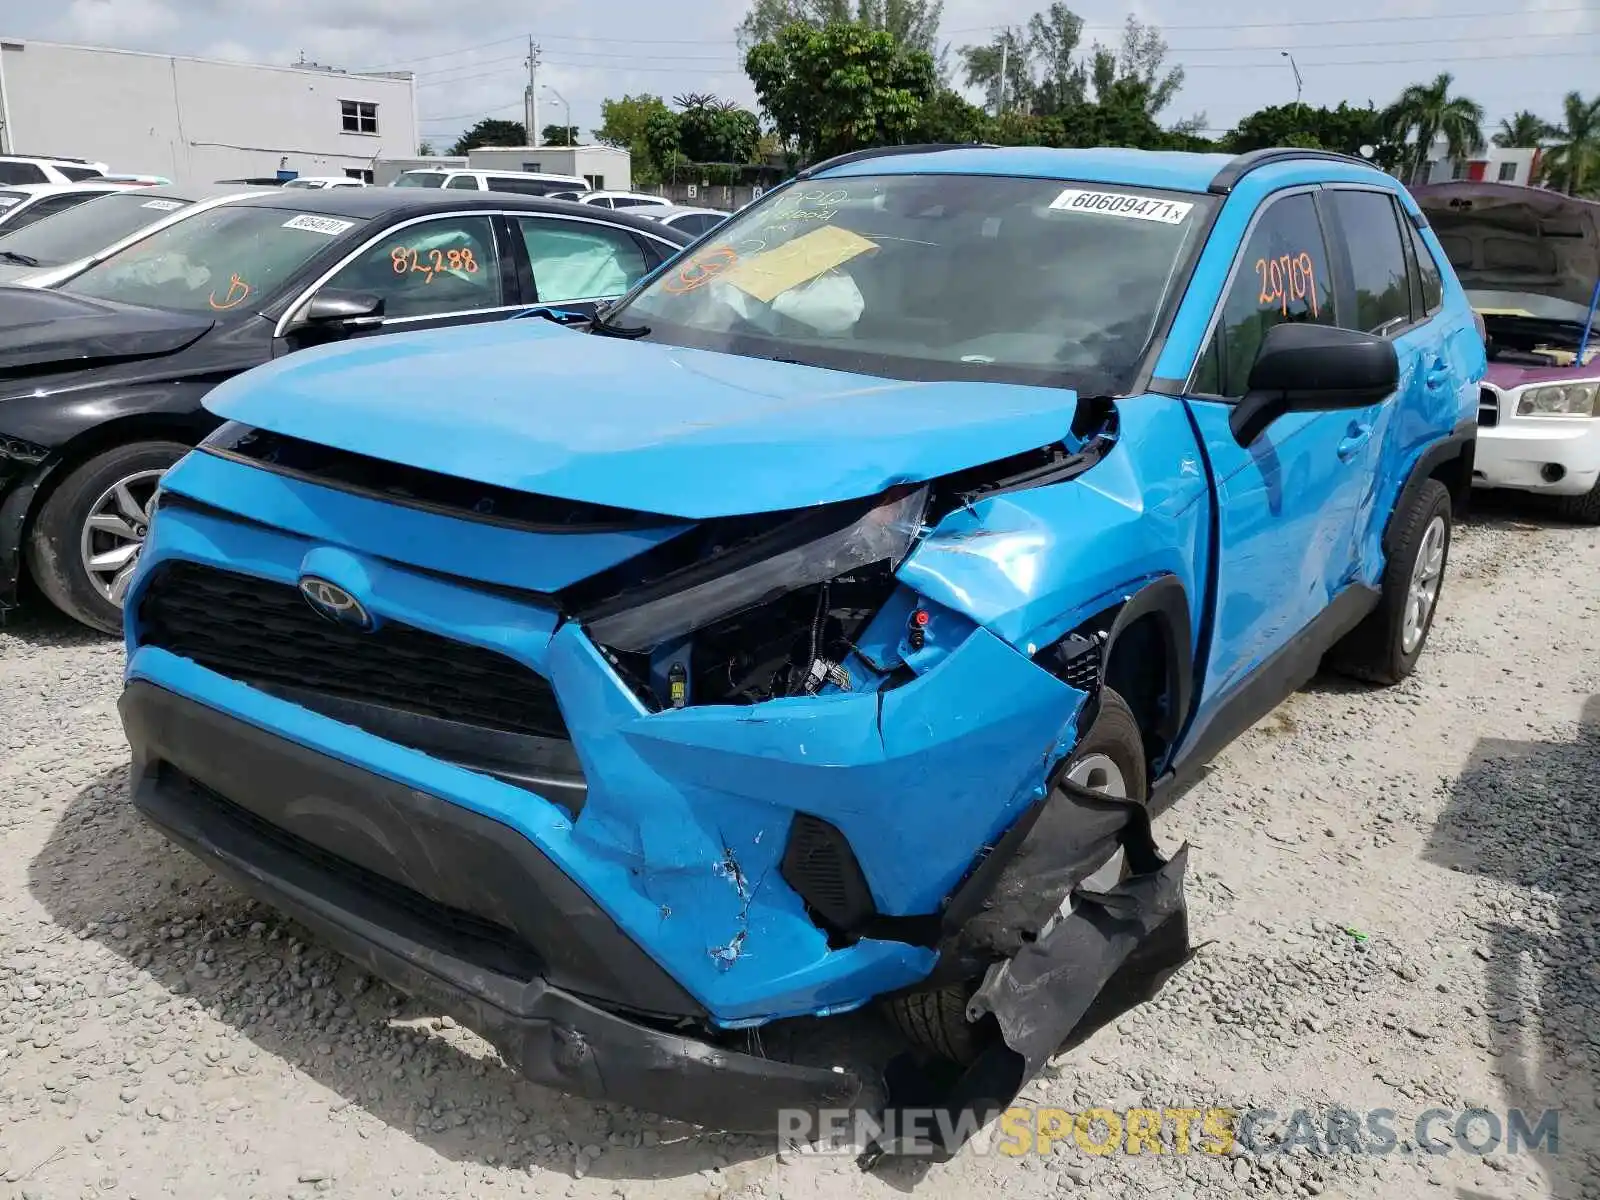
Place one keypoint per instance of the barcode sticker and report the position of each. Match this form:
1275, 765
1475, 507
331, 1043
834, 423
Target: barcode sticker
162, 205
8, 201
1120, 204
323, 225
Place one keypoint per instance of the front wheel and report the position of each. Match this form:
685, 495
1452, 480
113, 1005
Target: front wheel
1385, 647
1581, 510
1109, 759
89, 532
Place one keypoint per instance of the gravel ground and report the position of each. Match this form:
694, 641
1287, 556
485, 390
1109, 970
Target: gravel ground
162, 1035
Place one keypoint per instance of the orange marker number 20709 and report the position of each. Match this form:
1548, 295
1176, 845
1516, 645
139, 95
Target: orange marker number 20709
1288, 277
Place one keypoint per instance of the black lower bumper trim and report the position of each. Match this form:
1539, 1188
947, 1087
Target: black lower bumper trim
552, 1036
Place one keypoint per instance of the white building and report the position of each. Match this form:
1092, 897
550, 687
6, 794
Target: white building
1494, 164
607, 168
199, 120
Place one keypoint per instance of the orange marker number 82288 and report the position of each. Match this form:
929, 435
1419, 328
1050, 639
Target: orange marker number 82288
429, 263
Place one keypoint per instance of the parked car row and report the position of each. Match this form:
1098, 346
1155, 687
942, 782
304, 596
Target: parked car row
808, 619
130, 308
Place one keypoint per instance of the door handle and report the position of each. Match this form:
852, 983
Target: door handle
1353, 440
1438, 374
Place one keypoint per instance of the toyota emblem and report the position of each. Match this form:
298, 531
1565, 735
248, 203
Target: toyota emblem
331, 601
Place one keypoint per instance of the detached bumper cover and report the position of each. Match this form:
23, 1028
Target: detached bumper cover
553, 1036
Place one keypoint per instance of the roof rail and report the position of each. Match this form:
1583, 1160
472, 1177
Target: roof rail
888, 152
1242, 164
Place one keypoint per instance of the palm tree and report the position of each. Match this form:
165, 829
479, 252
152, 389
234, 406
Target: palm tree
1524, 131
1575, 157
1428, 110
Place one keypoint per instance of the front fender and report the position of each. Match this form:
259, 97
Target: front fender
58, 417
1032, 565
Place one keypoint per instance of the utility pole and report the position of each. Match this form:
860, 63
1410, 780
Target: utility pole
1005, 50
530, 102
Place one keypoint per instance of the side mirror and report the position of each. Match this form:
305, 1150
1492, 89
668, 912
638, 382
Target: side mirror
1313, 368
333, 308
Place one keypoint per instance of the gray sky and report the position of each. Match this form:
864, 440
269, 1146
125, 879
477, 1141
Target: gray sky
468, 54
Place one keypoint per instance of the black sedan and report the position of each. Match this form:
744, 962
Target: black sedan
102, 376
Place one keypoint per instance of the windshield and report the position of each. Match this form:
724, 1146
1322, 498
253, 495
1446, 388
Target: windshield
935, 277
88, 227
420, 179
227, 257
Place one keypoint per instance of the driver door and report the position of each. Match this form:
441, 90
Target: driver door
446, 270
1286, 503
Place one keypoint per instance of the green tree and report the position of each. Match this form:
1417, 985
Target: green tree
1053, 39
982, 66
491, 132
841, 87
1573, 161
664, 138
914, 24
560, 135
1523, 130
717, 131
1425, 112
425, 150
947, 118
1344, 129
623, 123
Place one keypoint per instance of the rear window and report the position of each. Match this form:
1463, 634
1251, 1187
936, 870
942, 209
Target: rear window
22, 172
228, 257
78, 174
90, 227
526, 187
420, 179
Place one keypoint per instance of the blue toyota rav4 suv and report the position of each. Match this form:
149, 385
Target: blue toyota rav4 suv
821, 623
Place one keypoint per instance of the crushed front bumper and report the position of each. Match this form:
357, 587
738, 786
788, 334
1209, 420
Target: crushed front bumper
184, 753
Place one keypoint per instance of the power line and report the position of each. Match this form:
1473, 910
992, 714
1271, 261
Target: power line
1296, 23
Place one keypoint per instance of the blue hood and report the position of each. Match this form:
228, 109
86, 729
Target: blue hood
687, 433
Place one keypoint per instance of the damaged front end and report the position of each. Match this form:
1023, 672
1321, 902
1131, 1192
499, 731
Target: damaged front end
623, 779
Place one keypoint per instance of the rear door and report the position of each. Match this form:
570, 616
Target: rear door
1378, 293
577, 263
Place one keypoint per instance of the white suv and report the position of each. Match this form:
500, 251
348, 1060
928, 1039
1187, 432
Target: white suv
27, 168
527, 183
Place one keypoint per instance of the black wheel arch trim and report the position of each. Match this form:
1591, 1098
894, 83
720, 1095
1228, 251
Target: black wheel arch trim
1461, 443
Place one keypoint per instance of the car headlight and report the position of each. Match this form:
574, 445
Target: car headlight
884, 534
1561, 400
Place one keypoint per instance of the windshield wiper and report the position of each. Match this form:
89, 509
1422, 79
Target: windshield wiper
600, 323
20, 259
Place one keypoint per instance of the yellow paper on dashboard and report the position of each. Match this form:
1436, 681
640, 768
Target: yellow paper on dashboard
767, 275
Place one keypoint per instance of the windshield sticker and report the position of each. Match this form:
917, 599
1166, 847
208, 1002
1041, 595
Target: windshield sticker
162, 205
429, 263
323, 225
238, 292
767, 275
1289, 277
8, 201
701, 270
1119, 204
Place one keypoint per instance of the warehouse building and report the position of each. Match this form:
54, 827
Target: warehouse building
199, 120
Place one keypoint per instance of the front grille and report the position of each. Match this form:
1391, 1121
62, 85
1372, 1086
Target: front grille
264, 633
1488, 407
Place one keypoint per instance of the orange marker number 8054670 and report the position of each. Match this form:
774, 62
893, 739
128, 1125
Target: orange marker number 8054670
428, 263
1288, 277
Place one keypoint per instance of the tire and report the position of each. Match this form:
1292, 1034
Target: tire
1385, 647
936, 1020
1581, 510
61, 534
